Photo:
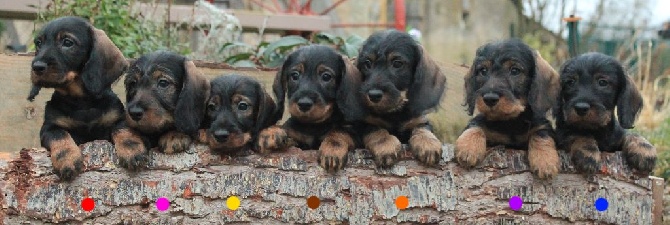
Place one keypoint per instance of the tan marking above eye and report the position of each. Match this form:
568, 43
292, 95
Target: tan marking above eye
509, 64
298, 67
323, 68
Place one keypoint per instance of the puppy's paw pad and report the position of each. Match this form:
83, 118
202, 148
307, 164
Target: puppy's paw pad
67, 161
386, 152
470, 147
426, 147
586, 161
543, 157
272, 139
174, 142
130, 149
640, 154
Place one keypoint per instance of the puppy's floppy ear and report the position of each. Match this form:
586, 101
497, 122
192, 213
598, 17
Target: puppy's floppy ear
427, 87
349, 98
629, 102
105, 63
267, 114
469, 88
190, 111
279, 87
544, 88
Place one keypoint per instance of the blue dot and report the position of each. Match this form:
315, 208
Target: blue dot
601, 204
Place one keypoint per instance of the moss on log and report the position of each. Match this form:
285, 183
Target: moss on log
273, 189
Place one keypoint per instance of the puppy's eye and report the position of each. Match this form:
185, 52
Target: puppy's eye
211, 107
483, 71
603, 83
326, 77
242, 106
367, 64
515, 71
67, 42
294, 75
569, 82
38, 43
397, 63
131, 83
162, 83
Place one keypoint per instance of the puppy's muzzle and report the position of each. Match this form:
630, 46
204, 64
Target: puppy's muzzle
581, 108
135, 113
221, 135
375, 95
491, 99
305, 104
39, 67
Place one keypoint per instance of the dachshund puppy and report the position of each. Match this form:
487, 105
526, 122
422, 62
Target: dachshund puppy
592, 86
237, 110
80, 63
312, 79
399, 86
512, 88
165, 97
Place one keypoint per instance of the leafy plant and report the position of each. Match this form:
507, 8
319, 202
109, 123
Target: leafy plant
134, 33
273, 54
2, 27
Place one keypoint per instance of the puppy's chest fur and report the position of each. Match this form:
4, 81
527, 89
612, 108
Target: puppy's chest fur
85, 115
399, 123
609, 138
512, 133
310, 135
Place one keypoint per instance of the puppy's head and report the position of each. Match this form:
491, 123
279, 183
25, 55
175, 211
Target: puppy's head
592, 86
165, 91
238, 108
310, 79
75, 58
506, 78
397, 72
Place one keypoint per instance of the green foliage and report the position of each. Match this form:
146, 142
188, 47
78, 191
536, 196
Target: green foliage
534, 40
273, 54
2, 28
660, 138
131, 32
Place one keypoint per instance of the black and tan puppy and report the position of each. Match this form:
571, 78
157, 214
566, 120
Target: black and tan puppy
512, 88
312, 79
237, 110
592, 86
80, 63
165, 100
399, 86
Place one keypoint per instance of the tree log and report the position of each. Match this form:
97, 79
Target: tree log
273, 189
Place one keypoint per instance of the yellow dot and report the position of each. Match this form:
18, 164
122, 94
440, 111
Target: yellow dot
233, 202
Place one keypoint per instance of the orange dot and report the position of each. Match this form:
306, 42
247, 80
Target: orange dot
313, 202
402, 202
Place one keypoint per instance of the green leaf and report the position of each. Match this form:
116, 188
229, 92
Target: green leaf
238, 57
275, 63
350, 50
244, 63
284, 43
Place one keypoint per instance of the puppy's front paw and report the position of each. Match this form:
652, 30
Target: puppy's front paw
271, 139
174, 142
384, 146
333, 151
639, 153
543, 157
66, 158
585, 155
425, 146
130, 149
470, 147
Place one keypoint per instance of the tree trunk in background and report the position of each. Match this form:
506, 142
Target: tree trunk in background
273, 189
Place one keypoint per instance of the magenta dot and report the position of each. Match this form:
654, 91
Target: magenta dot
162, 204
515, 203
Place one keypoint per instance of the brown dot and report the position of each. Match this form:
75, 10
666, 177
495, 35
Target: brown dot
313, 202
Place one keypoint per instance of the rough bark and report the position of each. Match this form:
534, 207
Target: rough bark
273, 189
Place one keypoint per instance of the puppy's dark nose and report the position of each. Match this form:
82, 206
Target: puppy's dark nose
375, 95
39, 66
581, 108
305, 104
135, 113
491, 99
221, 135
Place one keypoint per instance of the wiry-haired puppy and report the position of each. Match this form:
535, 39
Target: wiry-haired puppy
513, 88
80, 63
592, 86
165, 100
399, 86
312, 79
237, 110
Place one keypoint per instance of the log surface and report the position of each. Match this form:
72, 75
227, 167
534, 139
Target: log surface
273, 189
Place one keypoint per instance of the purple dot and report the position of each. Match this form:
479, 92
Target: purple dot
515, 203
162, 204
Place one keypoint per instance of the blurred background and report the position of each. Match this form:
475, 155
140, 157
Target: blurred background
260, 33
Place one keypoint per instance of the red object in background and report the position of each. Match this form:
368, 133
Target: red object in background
399, 6
87, 204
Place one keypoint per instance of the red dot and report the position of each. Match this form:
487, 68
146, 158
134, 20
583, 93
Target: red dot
87, 204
